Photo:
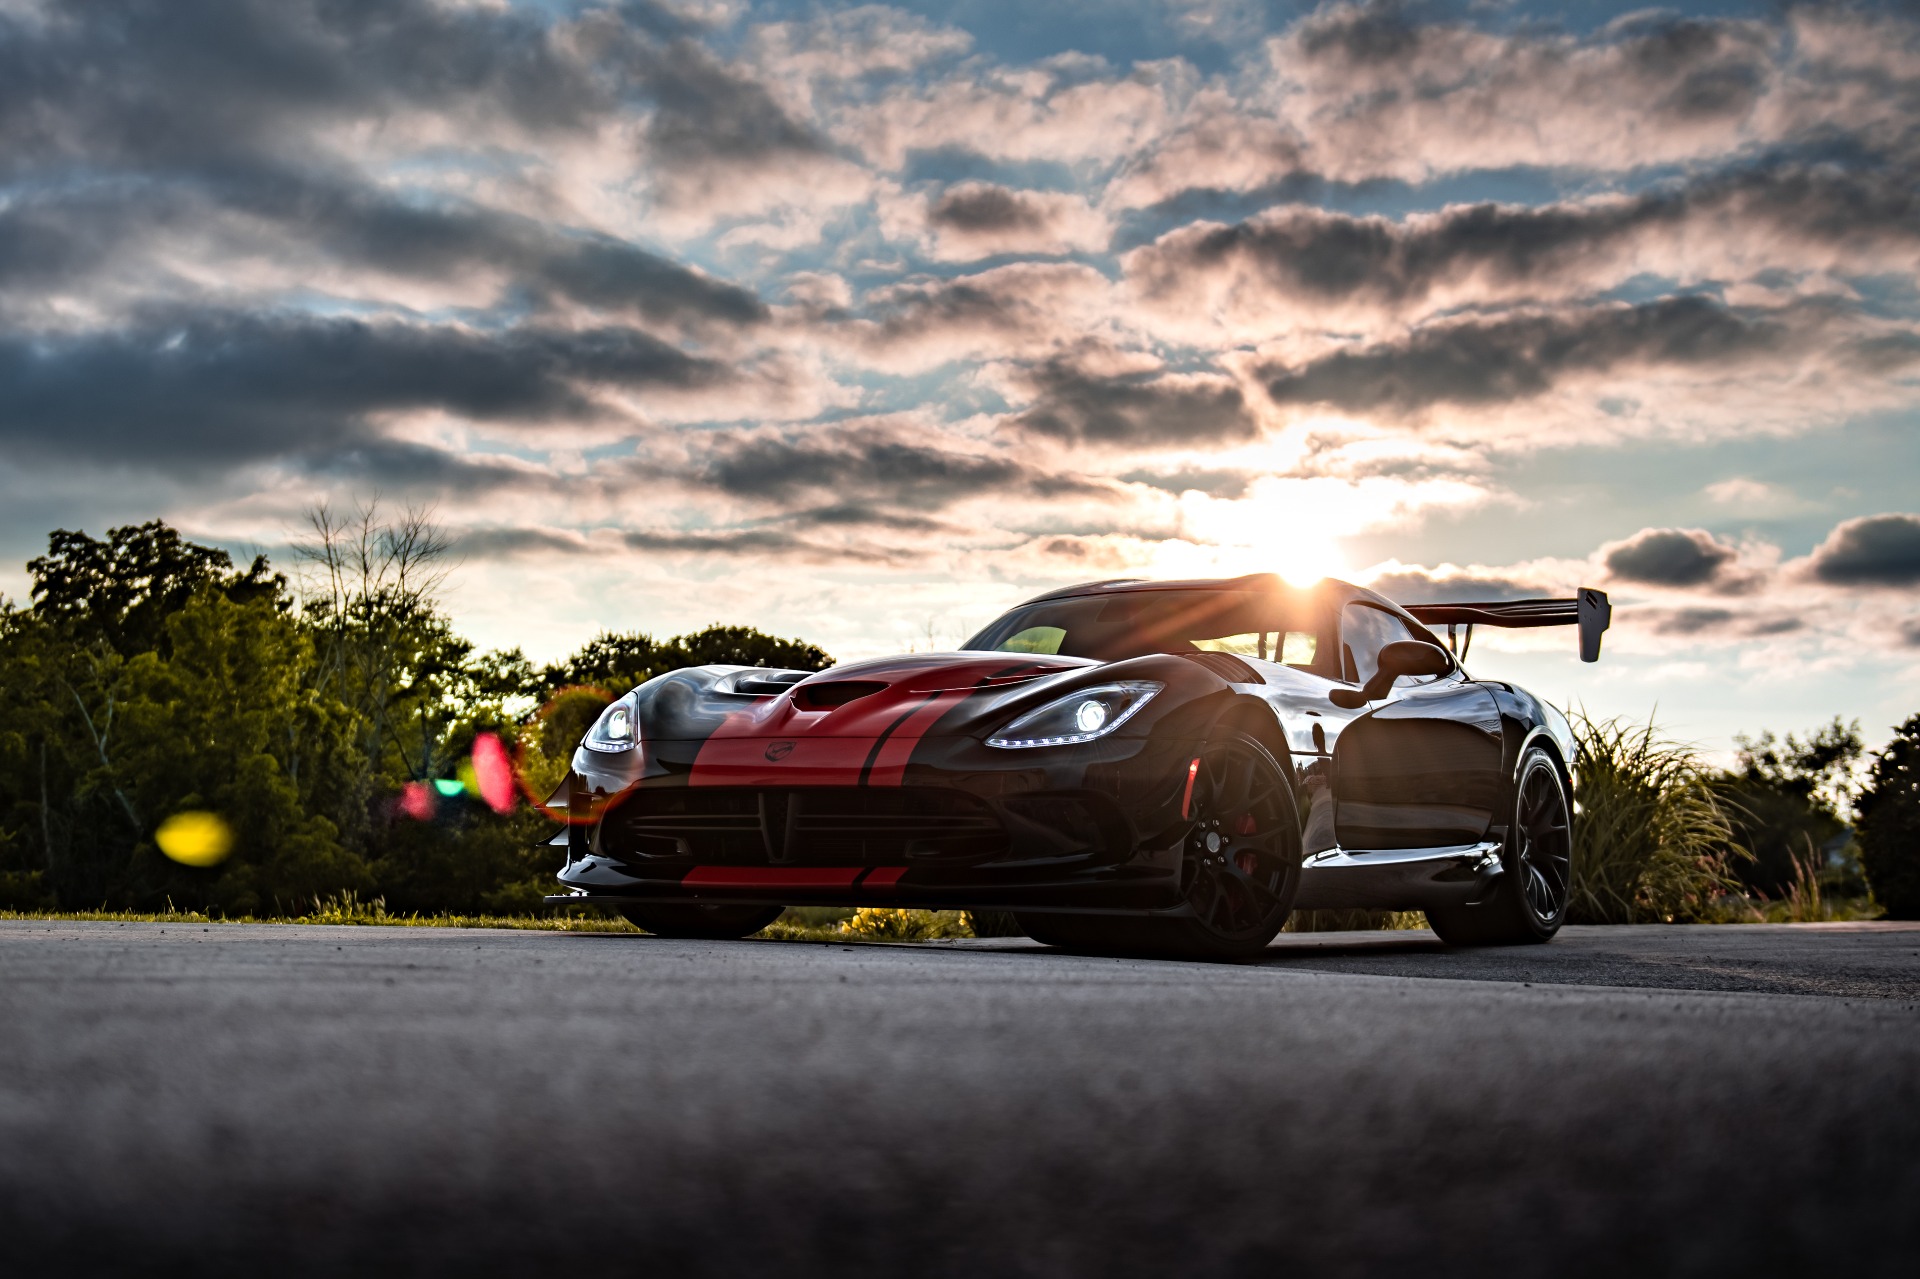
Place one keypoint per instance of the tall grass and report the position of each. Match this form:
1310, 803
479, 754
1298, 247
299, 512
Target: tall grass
1651, 843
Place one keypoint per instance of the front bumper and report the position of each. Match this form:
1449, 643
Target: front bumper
1094, 827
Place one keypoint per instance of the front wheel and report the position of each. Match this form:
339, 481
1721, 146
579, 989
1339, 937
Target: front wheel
1239, 873
713, 923
1529, 900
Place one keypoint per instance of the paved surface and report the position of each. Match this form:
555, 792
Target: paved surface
301, 1100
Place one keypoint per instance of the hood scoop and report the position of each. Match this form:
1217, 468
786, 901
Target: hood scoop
831, 693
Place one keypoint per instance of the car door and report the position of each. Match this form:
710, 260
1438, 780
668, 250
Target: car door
1420, 768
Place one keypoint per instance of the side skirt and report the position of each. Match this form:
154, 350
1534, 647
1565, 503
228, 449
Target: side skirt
1398, 878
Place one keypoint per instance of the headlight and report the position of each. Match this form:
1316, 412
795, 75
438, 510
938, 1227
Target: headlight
614, 730
1077, 717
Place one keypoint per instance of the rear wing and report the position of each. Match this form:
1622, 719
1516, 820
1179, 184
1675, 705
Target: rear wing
1589, 610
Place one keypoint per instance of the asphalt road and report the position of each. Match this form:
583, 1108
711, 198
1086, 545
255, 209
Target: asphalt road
299, 1100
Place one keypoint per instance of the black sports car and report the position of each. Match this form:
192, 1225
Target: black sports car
1165, 767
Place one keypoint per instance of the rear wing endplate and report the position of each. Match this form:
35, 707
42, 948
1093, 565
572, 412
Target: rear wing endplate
1589, 610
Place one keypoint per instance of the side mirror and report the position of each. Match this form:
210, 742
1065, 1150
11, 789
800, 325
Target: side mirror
1403, 657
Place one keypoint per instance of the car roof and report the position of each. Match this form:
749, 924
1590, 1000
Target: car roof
1330, 590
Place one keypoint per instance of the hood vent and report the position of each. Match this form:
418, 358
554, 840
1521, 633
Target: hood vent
826, 696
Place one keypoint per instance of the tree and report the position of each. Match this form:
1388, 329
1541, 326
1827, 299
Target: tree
1787, 799
121, 591
618, 662
217, 715
1889, 823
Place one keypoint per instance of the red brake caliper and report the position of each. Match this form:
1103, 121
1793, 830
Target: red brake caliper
1247, 862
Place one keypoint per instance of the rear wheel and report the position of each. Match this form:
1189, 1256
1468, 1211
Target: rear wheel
1240, 871
1529, 901
674, 919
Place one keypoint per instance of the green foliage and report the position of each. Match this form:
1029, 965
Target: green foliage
1889, 823
617, 663
1652, 843
101, 747
1341, 921
884, 923
347, 908
1786, 799
150, 678
121, 591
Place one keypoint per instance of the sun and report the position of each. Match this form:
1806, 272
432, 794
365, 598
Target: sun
1270, 531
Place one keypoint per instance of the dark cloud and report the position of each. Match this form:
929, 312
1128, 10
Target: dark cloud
1365, 34
1690, 621
63, 239
152, 83
864, 515
934, 321
1715, 621
1884, 355
708, 115
1132, 410
209, 389
1302, 253
503, 543
1517, 357
200, 88
983, 207
1417, 586
1227, 484
1666, 65
1672, 557
759, 543
1877, 550
878, 463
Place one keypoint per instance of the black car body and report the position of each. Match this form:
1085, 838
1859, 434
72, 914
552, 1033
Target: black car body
910, 781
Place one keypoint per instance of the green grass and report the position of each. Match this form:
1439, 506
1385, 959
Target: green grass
800, 923
880, 924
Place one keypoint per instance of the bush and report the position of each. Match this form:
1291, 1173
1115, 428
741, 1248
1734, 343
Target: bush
881, 923
1651, 843
1889, 823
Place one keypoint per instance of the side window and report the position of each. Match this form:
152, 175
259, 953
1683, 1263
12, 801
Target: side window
1364, 631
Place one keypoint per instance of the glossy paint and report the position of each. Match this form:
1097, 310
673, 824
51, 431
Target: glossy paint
872, 783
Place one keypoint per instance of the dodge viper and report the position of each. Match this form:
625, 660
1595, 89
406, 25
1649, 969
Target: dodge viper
1127, 766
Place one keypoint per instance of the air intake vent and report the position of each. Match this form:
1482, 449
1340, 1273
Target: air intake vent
1227, 667
824, 697
819, 826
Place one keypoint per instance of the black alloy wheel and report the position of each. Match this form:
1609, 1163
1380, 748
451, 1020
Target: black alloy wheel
714, 923
1529, 901
1239, 873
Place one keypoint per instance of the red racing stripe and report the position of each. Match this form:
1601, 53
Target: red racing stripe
771, 877
890, 761
883, 877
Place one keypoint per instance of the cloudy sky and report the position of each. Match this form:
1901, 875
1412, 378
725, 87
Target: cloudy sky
864, 323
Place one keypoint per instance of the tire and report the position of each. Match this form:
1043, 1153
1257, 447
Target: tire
1529, 900
1240, 873
714, 923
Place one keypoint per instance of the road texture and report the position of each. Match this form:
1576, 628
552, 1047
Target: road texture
319, 1101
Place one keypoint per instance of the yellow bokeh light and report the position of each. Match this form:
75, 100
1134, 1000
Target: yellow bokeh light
195, 839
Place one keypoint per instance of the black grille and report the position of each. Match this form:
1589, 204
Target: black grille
825, 826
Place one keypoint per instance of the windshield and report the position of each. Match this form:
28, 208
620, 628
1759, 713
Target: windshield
1293, 630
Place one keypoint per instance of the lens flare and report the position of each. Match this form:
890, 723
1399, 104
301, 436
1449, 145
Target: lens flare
195, 839
493, 772
416, 801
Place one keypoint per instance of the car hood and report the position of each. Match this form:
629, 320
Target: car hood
869, 699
